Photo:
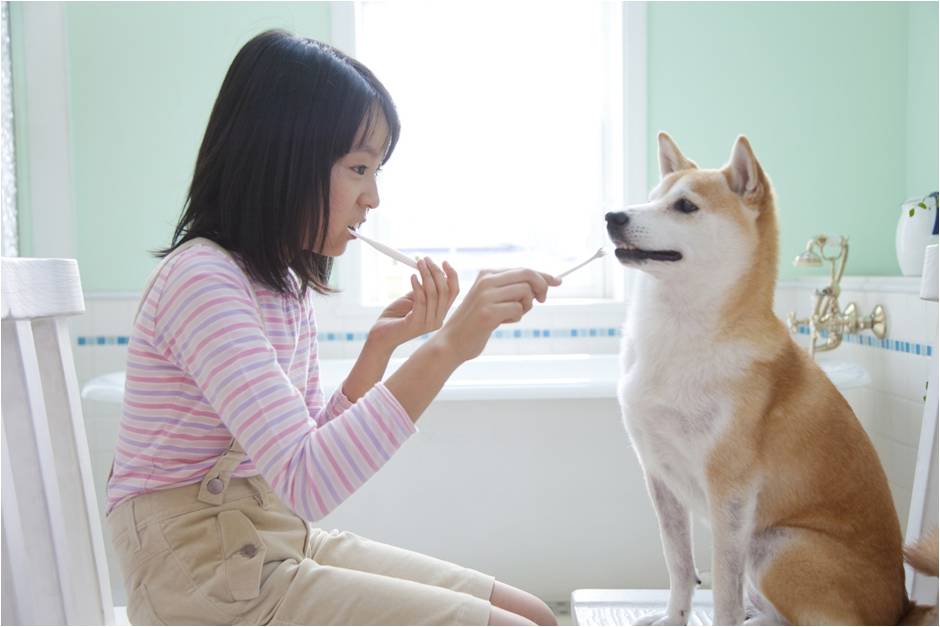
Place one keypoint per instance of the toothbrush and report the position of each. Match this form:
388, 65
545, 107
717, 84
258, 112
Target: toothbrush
408, 261
600, 253
397, 255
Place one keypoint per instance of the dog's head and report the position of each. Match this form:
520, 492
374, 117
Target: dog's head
700, 223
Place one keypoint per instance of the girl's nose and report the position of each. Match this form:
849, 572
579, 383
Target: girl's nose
370, 198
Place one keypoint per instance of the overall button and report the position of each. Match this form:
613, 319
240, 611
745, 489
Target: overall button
215, 486
249, 550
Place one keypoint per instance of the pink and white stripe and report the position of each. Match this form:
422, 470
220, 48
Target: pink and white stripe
213, 355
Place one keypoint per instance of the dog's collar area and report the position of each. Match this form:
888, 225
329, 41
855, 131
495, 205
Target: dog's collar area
638, 254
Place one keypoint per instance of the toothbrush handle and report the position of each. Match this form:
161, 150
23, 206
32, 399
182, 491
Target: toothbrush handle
577, 267
391, 252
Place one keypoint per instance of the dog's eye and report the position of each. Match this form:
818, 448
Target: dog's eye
685, 206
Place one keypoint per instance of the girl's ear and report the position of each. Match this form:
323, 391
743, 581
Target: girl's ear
671, 158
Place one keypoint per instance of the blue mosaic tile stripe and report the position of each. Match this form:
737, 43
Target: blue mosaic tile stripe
499, 334
898, 346
102, 340
866, 339
360, 336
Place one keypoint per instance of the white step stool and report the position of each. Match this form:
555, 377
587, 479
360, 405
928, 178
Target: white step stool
624, 607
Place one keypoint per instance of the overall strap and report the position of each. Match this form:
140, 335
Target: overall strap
212, 488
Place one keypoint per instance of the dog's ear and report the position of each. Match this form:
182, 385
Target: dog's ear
743, 172
671, 158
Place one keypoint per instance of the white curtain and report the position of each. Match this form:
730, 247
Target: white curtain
10, 243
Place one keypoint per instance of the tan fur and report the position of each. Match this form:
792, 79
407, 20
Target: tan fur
922, 555
820, 480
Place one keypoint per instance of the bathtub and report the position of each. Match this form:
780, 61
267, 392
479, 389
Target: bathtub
504, 377
520, 468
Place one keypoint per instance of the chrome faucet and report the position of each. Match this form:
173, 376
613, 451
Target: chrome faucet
828, 320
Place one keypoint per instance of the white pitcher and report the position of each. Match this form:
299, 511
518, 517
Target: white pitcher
917, 229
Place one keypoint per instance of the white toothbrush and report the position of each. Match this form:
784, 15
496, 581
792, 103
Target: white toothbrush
397, 255
405, 259
600, 253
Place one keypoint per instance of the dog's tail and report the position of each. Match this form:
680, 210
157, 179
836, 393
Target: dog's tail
923, 556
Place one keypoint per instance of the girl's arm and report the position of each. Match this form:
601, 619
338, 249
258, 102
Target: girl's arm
419, 312
207, 324
494, 299
368, 370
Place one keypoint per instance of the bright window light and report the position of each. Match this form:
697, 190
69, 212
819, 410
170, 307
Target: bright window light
511, 148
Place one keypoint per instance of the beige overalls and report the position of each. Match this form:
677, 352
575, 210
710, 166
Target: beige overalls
229, 551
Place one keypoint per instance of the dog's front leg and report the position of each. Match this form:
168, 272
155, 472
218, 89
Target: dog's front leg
674, 526
730, 533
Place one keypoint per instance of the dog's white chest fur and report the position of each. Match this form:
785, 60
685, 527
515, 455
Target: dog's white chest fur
675, 396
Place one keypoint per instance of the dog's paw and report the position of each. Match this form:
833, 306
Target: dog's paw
663, 618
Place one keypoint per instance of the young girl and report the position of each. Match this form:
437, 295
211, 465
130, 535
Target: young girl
227, 447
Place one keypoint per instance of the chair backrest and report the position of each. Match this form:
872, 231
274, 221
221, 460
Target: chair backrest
54, 565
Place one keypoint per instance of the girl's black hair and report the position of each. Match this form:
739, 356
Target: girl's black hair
288, 109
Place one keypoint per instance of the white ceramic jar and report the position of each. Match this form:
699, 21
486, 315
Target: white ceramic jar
917, 229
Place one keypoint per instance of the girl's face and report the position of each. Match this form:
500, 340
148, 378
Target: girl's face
353, 188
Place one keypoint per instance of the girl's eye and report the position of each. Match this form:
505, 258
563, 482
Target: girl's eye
360, 169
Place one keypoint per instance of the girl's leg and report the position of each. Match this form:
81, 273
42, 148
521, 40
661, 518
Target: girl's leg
522, 604
347, 550
499, 616
316, 594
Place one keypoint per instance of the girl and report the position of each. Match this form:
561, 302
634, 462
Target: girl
227, 446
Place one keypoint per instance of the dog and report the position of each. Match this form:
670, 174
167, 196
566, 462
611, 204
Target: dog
734, 422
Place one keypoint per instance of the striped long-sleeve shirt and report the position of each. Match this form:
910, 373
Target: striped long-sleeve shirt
214, 354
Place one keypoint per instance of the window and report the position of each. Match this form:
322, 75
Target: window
512, 138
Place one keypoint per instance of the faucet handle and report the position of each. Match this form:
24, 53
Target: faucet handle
855, 323
851, 321
877, 322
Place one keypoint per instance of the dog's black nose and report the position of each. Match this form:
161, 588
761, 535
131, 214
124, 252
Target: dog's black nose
617, 217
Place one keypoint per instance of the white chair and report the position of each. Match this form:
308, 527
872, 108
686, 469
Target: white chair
54, 565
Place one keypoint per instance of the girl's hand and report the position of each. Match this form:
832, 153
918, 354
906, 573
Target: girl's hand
420, 311
496, 297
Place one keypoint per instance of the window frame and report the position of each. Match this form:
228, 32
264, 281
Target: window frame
607, 311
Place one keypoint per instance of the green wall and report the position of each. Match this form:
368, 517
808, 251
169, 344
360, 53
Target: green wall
822, 91
143, 81
922, 107
839, 100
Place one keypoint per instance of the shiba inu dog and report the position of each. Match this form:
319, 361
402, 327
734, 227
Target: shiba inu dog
732, 421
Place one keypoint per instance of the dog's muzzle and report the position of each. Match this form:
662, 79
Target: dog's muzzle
627, 253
